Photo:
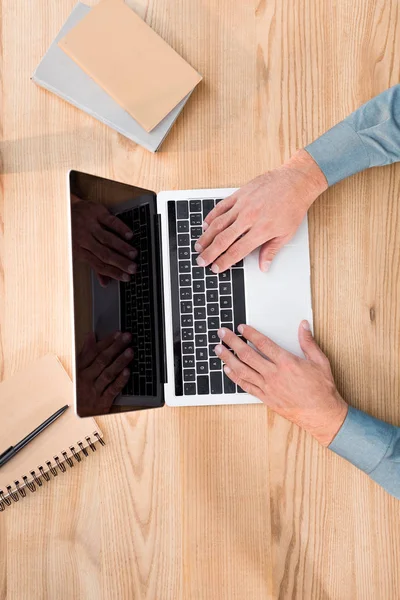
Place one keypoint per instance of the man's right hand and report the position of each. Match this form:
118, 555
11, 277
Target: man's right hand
266, 211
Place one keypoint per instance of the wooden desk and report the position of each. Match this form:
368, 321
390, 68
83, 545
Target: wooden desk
210, 503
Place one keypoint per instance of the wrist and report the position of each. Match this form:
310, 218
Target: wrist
311, 181
332, 421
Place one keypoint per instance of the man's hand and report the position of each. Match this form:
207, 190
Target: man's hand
301, 390
98, 239
102, 372
267, 211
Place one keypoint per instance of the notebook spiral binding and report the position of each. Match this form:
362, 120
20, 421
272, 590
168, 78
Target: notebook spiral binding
37, 477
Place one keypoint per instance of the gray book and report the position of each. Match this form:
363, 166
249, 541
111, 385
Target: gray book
59, 74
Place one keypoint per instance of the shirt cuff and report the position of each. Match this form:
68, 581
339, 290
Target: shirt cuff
363, 440
339, 153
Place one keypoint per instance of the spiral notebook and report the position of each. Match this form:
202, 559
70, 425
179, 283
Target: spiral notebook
26, 400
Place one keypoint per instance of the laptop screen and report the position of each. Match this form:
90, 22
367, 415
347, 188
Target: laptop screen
118, 301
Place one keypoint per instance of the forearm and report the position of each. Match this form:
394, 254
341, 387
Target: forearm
373, 446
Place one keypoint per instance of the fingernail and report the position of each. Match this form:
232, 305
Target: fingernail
265, 266
129, 235
133, 254
306, 325
240, 329
221, 333
215, 268
201, 262
205, 226
198, 247
126, 337
125, 277
116, 335
128, 352
218, 349
132, 269
125, 372
227, 369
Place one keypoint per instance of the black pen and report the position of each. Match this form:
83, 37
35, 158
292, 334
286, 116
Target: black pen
12, 450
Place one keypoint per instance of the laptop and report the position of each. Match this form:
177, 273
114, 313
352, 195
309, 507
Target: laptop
172, 307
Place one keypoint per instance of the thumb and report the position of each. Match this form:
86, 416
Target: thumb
309, 346
268, 252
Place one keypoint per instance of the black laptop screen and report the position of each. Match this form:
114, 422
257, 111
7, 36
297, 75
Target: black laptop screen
118, 303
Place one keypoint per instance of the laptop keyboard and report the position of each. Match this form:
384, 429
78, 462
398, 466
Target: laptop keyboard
202, 302
135, 305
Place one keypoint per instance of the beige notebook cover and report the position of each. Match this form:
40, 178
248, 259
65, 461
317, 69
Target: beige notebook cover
136, 67
26, 400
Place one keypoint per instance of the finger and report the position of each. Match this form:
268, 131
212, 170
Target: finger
91, 348
219, 209
221, 243
218, 226
110, 257
102, 268
248, 387
309, 346
116, 387
245, 353
113, 370
263, 343
115, 224
241, 248
268, 252
114, 242
243, 372
103, 281
108, 355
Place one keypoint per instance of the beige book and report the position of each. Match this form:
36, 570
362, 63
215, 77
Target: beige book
133, 64
26, 400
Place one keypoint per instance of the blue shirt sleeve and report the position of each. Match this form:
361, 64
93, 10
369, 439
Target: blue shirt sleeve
369, 137
371, 445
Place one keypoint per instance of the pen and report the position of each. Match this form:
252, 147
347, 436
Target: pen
12, 450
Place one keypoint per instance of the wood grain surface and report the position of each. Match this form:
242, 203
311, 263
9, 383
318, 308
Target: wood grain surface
217, 503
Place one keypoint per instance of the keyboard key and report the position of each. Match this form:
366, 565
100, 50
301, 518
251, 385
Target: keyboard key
184, 253
201, 368
225, 289
185, 293
229, 386
200, 327
238, 264
212, 282
226, 315
183, 226
239, 307
199, 299
225, 302
188, 348
208, 205
212, 296
195, 232
213, 323
225, 276
184, 266
216, 382
213, 337
201, 354
198, 285
189, 389
198, 272
215, 364
192, 245
227, 325
185, 280
183, 239
195, 219
194, 260
211, 349
203, 386
187, 334
186, 307
182, 209
189, 375
239, 389
200, 313
195, 206
212, 310
188, 361
219, 200
200, 340
208, 270
187, 321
